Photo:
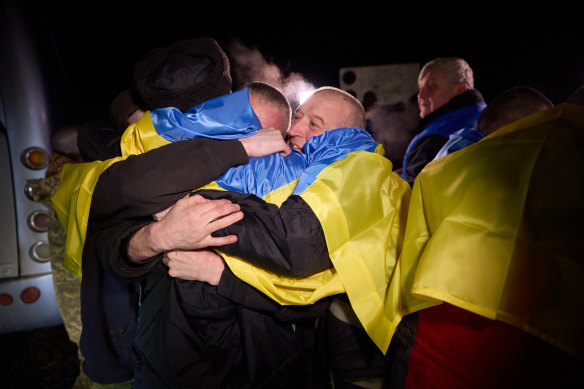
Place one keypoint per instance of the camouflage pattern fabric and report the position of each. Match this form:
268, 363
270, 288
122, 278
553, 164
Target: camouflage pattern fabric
67, 285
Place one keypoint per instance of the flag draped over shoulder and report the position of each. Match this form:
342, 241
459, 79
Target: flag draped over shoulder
225, 117
362, 206
72, 201
496, 229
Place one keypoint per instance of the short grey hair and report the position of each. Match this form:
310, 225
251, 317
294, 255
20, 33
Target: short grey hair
456, 69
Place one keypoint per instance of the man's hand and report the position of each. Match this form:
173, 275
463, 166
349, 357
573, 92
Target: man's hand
187, 225
195, 265
267, 141
158, 216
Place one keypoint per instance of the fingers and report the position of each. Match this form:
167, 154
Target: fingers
208, 210
222, 240
225, 221
193, 200
266, 141
195, 265
219, 224
197, 199
190, 223
286, 150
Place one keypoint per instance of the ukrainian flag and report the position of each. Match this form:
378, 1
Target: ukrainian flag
496, 229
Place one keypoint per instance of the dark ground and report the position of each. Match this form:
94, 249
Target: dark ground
41, 359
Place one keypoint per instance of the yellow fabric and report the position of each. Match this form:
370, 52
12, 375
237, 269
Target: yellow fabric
72, 199
496, 229
141, 137
284, 290
362, 208
72, 202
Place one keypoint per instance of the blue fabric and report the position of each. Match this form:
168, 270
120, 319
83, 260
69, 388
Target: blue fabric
445, 125
329, 147
460, 139
262, 175
231, 117
225, 117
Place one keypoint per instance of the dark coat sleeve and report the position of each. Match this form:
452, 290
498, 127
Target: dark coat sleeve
286, 240
237, 291
423, 153
144, 184
130, 191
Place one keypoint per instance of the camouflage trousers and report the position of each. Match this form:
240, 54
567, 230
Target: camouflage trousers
67, 286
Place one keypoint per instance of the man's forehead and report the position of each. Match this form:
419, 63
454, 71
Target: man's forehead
316, 107
434, 73
329, 109
321, 101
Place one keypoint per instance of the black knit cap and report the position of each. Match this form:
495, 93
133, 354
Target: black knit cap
183, 75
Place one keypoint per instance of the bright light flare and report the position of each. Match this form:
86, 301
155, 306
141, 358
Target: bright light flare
302, 96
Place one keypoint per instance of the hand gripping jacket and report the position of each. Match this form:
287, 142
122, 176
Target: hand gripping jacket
349, 185
496, 228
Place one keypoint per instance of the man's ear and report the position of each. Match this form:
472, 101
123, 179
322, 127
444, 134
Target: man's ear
462, 87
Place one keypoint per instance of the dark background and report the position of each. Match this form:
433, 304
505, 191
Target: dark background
97, 45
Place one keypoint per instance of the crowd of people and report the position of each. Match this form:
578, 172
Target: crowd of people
218, 239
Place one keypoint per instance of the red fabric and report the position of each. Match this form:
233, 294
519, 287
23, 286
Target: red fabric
455, 348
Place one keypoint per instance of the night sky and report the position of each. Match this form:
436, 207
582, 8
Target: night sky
97, 48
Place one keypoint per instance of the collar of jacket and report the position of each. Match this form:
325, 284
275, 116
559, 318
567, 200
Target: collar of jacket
464, 99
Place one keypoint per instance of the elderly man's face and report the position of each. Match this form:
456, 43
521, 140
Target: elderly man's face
319, 113
435, 90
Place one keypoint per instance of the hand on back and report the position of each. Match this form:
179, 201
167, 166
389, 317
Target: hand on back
190, 222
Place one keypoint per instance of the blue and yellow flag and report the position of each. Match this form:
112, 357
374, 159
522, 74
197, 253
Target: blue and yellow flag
496, 229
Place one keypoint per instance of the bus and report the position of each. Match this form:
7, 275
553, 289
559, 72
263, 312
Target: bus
27, 297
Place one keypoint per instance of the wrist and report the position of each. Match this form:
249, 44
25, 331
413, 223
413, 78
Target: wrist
216, 276
155, 238
245, 144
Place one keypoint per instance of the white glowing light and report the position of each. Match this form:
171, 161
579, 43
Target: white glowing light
302, 96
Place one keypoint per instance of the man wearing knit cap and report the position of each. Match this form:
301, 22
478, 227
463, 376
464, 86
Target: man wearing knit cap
183, 75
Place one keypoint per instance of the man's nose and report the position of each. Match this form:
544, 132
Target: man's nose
295, 129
